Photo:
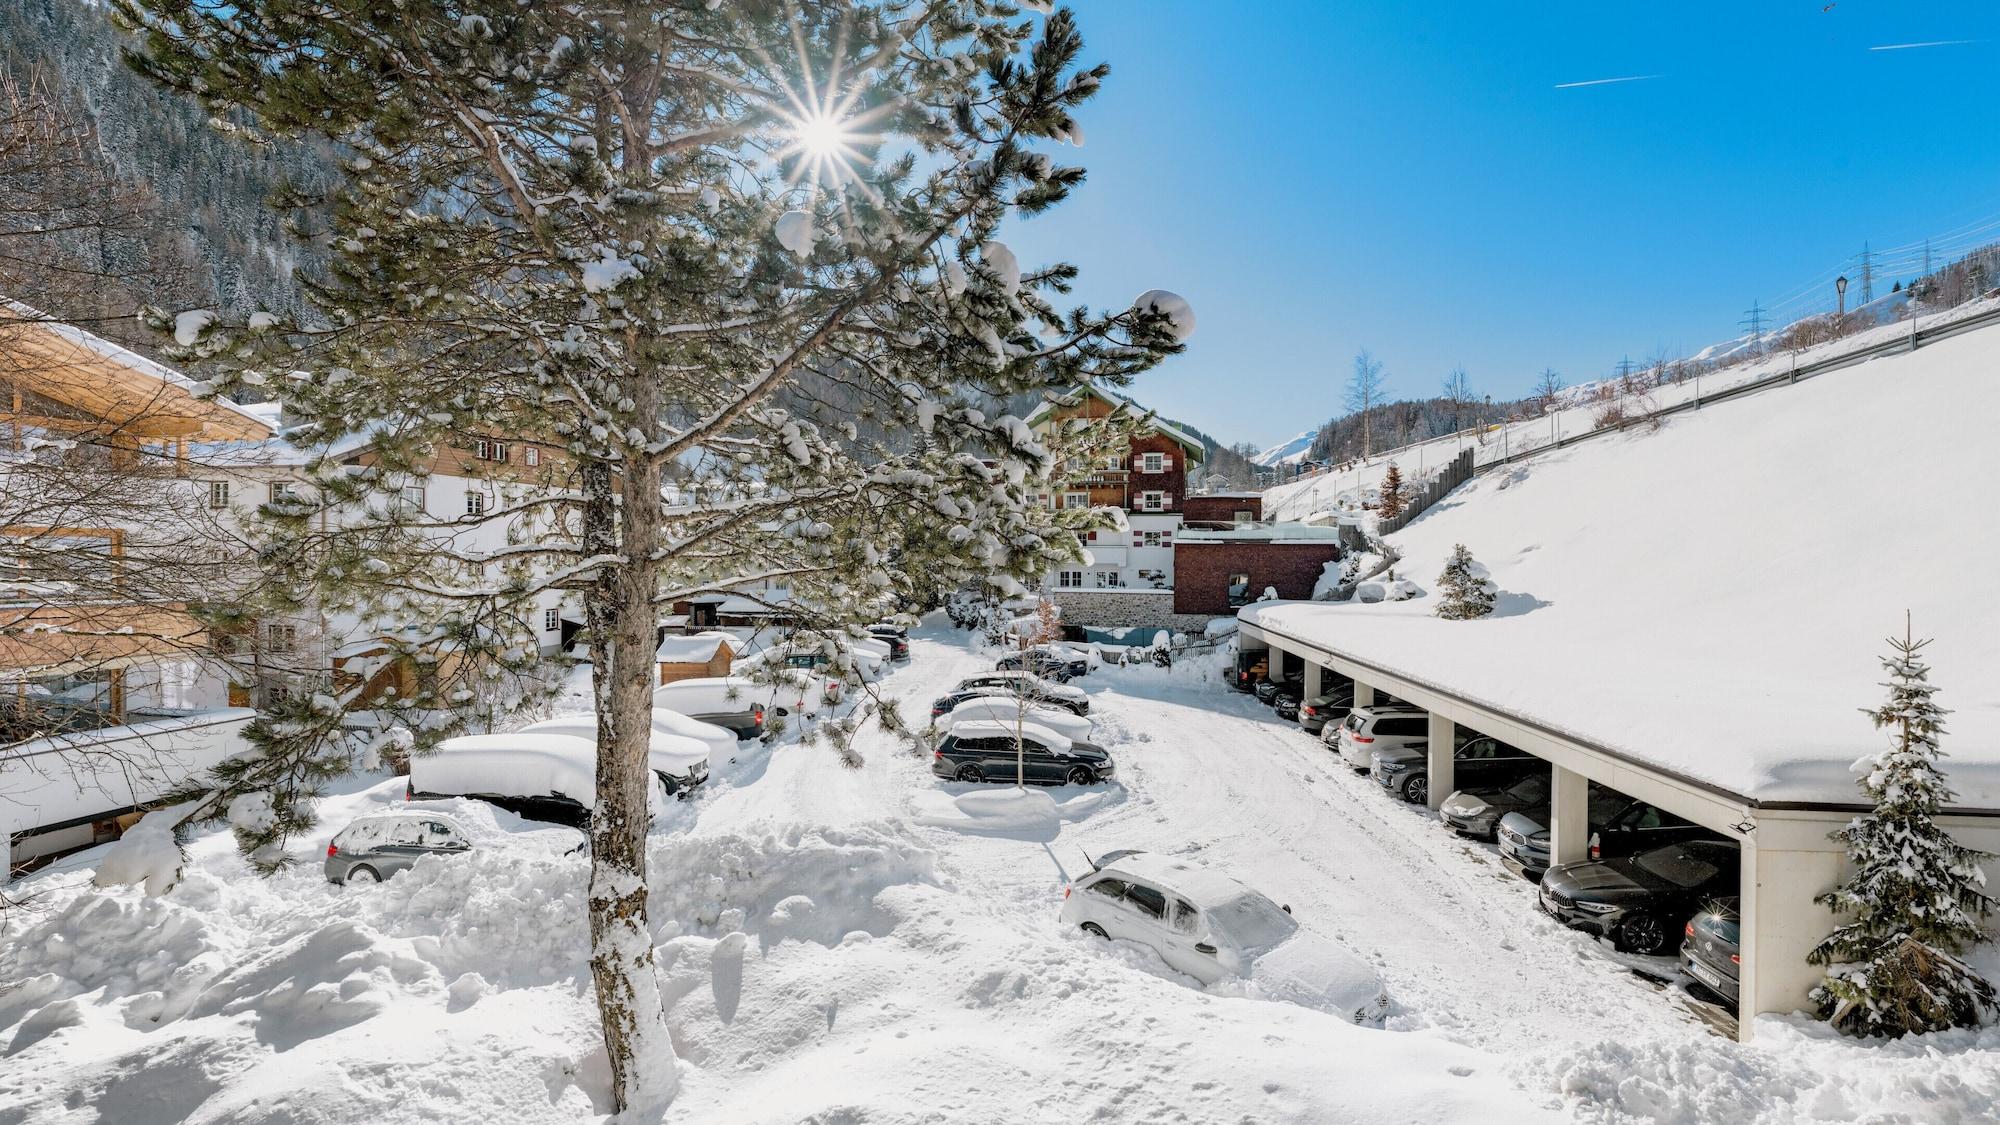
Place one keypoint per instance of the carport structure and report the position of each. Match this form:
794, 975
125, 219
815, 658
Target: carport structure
1787, 854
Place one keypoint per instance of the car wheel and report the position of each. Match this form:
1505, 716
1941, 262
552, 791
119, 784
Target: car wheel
970, 773
1095, 930
1417, 790
361, 873
1080, 776
1643, 934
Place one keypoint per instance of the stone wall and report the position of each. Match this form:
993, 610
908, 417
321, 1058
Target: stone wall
1113, 609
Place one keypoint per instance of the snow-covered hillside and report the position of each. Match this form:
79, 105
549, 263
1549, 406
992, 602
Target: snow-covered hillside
1289, 452
1760, 550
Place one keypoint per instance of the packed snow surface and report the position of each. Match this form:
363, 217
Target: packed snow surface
874, 945
1713, 596
1286, 452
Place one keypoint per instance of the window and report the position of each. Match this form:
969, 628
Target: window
1152, 463
1245, 515
1110, 888
218, 494
1403, 728
531, 456
1151, 501
1069, 579
490, 450
411, 499
475, 503
1152, 539
283, 491
280, 637
1114, 463
1109, 579
551, 620
1239, 589
1076, 499
1187, 919
1147, 900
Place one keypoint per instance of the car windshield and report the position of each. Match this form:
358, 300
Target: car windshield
1250, 922
1529, 790
1680, 865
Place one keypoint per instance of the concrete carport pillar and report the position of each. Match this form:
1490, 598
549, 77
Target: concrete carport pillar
1569, 816
1787, 862
1364, 694
1312, 683
1443, 764
1274, 667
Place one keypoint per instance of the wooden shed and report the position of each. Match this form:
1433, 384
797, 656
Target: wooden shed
691, 657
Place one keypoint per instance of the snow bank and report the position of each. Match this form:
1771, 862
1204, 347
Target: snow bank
146, 855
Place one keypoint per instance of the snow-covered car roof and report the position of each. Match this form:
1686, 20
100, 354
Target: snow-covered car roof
675, 753
1203, 886
517, 765
993, 728
1046, 687
1005, 708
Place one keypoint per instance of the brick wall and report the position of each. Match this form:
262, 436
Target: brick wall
1172, 482
1202, 570
1222, 509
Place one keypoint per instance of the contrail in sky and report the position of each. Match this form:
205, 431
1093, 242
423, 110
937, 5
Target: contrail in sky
1915, 46
1608, 81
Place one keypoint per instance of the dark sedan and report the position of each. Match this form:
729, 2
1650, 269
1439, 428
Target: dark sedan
986, 751
1406, 771
1619, 825
1326, 707
1267, 691
1476, 812
1287, 702
1711, 950
1047, 665
1641, 901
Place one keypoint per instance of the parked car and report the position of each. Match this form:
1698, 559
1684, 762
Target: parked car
1326, 707
1058, 666
542, 776
1380, 727
681, 762
1212, 928
720, 740
820, 663
375, 847
1250, 669
1642, 901
1476, 812
735, 703
1711, 950
1286, 702
1010, 709
1267, 690
1405, 770
984, 750
896, 638
1619, 825
1033, 687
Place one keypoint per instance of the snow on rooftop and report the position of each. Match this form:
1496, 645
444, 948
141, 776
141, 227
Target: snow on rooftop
1713, 597
699, 649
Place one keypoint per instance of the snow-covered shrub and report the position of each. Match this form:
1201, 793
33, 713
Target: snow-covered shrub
1466, 587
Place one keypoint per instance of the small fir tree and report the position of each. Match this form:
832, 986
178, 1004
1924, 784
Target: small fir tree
1391, 505
1914, 900
1048, 622
1468, 592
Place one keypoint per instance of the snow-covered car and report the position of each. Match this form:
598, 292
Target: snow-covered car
1213, 928
721, 741
539, 776
983, 750
1030, 686
681, 762
1011, 708
373, 848
735, 703
1391, 726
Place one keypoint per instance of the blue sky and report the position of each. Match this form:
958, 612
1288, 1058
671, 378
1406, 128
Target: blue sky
1321, 177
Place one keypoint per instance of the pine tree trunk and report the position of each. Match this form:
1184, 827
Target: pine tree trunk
620, 616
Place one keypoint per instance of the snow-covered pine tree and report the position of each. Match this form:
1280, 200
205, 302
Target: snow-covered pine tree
1914, 899
1465, 591
721, 237
1391, 504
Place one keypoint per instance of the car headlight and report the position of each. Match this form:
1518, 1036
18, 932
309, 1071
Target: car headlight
1596, 907
1394, 767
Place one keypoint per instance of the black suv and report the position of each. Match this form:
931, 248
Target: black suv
1045, 664
1478, 762
973, 752
899, 645
1642, 902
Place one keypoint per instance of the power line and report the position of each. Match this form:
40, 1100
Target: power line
1753, 321
1867, 275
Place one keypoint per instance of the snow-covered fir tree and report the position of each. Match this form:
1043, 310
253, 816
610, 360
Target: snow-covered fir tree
1391, 504
1465, 589
716, 237
1915, 899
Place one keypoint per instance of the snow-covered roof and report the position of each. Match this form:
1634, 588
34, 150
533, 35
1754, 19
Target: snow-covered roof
698, 649
1713, 597
1264, 533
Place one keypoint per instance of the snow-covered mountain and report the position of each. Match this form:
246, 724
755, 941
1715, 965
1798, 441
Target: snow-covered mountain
1290, 452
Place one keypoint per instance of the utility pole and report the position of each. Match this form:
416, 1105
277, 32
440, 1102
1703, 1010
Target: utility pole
1927, 257
1753, 321
1867, 274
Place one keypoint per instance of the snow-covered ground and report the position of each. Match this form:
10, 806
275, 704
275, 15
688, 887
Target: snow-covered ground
855, 945
1328, 492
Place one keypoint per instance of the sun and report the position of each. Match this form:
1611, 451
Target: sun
823, 136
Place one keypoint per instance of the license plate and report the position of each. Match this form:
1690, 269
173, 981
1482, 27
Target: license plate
1704, 974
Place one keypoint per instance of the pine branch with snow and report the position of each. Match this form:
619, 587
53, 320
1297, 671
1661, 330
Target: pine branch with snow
1914, 899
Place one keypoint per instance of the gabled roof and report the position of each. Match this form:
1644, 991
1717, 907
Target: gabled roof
116, 385
1119, 404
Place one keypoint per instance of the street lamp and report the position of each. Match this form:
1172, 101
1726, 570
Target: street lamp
1840, 288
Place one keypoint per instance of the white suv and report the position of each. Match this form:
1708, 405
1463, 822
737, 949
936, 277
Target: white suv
1385, 726
1212, 927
